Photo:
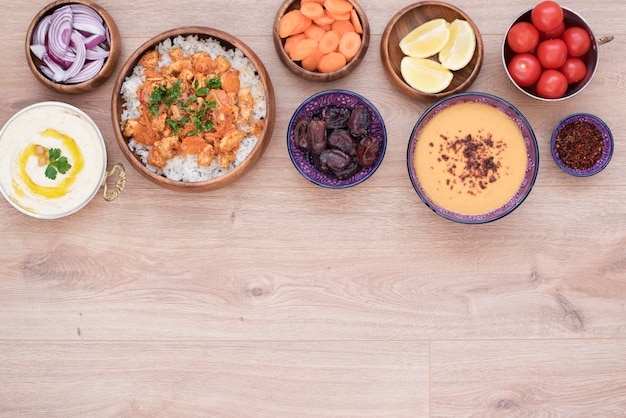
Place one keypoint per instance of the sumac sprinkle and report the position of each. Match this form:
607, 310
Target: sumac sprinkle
579, 145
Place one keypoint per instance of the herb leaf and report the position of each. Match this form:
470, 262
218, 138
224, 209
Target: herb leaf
57, 163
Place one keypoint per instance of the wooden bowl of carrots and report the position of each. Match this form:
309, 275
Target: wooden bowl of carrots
321, 40
409, 18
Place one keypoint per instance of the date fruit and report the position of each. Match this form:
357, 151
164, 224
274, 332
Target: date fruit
368, 150
359, 121
317, 135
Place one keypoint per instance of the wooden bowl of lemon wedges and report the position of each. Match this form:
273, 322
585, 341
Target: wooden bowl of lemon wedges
431, 50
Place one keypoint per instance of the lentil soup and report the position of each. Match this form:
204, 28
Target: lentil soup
470, 158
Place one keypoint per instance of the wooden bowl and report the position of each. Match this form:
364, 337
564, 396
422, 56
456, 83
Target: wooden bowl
109, 64
408, 19
229, 43
297, 69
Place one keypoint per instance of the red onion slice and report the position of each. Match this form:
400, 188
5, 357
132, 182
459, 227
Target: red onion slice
97, 53
81, 53
89, 70
81, 9
39, 34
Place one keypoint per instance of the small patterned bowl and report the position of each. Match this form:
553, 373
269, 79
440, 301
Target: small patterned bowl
302, 159
607, 141
532, 151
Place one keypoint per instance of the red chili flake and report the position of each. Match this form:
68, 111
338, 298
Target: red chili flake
579, 145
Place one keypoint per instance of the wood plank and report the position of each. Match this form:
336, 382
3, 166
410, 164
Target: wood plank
217, 379
569, 378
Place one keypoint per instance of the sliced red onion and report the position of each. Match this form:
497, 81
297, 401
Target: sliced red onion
93, 40
89, 70
97, 53
81, 9
86, 23
81, 53
39, 34
59, 35
38, 50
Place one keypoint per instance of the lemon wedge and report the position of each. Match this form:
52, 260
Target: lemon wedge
459, 49
426, 40
425, 75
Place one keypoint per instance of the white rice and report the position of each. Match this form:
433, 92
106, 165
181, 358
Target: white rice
186, 168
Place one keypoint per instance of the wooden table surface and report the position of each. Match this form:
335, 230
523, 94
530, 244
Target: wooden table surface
273, 297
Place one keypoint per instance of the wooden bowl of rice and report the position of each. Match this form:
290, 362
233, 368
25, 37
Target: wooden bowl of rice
181, 174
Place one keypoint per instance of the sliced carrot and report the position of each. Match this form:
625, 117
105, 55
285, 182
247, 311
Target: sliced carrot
290, 22
291, 41
312, 10
342, 26
315, 32
193, 144
325, 27
324, 20
312, 1
329, 42
304, 24
349, 45
310, 62
303, 49
338, 7
340, 16
331, 62
356, 22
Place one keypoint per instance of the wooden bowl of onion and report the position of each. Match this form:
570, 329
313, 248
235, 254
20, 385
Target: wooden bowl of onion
431, 50
203, 117
72, 46
321, 40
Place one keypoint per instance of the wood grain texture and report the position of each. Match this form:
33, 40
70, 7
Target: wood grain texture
272, 297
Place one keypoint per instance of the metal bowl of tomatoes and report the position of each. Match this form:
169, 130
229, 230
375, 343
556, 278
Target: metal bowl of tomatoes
550, 52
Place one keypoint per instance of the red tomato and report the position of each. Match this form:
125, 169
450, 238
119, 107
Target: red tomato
574, 69
547, 16
522, 37
552, 53
524, 69
552, 84
553, 34
577, 40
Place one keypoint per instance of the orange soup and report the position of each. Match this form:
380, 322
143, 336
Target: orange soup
470, 158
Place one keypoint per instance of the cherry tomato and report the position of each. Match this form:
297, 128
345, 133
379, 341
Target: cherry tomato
577, 40
574, 69
552, 53
546, 16
552, 84
522, 37
525, 69
553, 34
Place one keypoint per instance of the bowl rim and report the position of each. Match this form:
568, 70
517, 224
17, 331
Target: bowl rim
101, 142
255, 153
109, 64
594, 47
607, 137
532, 168
295, 116
399, 81
313, 75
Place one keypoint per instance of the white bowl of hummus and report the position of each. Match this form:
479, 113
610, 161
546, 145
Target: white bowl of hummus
52, 160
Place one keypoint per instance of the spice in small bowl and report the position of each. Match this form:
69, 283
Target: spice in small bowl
582, 144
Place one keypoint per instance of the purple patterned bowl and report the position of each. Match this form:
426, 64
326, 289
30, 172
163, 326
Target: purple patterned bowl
460, 147
303, 159
582, 134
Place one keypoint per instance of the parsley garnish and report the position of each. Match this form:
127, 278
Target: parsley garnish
57, 163
214, 83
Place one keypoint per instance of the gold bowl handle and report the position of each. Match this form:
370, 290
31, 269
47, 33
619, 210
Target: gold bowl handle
120, 184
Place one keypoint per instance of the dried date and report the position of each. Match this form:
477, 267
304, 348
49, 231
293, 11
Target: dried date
342, 140
301, 136
336, 117
317, 135
368, 150
338, 163
359, 121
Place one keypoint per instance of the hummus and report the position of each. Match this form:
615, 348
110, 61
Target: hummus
471, 158
23, 179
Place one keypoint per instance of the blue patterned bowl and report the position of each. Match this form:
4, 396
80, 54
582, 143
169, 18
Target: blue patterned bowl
607, 139
312, 106
532, 152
